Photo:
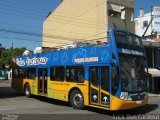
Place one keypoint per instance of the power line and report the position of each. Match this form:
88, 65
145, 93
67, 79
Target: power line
36, 17
60, 44
24, 5
36, 27
59, 20
20, 11
36, 34
65, 39
68, 23
29, 40
87, 11
69, 19
69, 15
21, 39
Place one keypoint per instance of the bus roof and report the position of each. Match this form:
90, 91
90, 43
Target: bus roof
97, 54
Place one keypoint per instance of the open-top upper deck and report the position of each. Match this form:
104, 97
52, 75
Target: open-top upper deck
76, 56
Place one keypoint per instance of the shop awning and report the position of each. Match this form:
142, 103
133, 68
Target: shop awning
157, 39
154, 72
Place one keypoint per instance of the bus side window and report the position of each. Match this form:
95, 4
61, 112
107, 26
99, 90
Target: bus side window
115, 81
70, 74
57, 73
105, 78
15, 73
80, 75
31, 73
75, 74
22, 73
94, 76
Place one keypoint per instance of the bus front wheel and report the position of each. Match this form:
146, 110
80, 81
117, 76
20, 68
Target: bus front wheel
27, 90
77, 100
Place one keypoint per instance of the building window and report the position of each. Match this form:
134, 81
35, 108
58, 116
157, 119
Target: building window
113, 13
145, 24
31, 73
75, 74
57, 74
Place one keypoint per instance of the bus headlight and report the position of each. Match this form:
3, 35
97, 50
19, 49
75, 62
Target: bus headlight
125, 96
146, 96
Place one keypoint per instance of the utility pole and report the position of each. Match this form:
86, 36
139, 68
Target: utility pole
151, 19
1, 48
12, 51
150, 23
12, 56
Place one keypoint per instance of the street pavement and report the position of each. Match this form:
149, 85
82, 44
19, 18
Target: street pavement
15, 105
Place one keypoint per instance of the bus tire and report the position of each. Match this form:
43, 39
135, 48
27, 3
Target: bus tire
27, 90
77, 99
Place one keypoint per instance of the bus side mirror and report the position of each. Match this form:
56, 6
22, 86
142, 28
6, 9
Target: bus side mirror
148, 77
113, 62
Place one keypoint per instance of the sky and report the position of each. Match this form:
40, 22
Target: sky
21, 21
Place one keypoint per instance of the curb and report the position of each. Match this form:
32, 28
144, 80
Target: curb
154, 95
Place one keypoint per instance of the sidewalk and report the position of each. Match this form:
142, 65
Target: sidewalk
153, 95
3, 80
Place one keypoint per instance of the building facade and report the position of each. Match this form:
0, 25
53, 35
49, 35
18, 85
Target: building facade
84, 20
146, 23
147, 26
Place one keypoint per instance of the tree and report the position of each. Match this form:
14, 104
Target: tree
7, 55
1, 49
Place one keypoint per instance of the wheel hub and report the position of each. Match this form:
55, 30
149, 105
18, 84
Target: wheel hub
27, 91
78, 99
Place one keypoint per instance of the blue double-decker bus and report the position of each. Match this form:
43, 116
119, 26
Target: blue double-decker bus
109, 75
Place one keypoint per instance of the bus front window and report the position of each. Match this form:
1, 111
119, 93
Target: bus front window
124, 38
133, 73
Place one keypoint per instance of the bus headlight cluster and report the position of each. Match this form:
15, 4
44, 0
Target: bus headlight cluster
145, 94
125, 96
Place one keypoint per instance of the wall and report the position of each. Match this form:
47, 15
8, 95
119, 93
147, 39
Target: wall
75, 20
125, 19
139, 25
79, 20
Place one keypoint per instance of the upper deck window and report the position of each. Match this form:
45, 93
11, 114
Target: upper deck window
128, 39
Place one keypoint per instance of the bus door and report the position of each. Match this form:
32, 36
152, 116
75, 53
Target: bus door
42, 80
99, 86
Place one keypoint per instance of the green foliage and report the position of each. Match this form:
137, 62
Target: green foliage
7, 54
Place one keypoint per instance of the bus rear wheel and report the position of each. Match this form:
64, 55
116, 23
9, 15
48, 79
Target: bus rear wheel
27, 90
77, 100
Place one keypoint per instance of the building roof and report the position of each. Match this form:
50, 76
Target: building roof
151, 43
157, 39
154, 72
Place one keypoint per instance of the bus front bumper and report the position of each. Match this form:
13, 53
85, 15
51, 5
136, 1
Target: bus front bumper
118, 104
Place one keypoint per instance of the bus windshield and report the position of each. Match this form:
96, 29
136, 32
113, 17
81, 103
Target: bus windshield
128, 39
133, 73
